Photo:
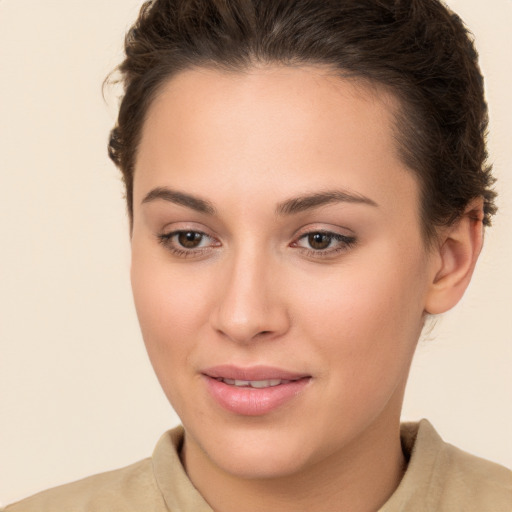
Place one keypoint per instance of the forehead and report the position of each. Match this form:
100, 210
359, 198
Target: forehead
202, 103
253, 131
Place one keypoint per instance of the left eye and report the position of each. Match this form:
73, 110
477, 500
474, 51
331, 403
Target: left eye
324, 241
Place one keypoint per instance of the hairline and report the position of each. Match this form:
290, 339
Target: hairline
378, 89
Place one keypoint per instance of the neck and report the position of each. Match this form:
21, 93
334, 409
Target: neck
359, 478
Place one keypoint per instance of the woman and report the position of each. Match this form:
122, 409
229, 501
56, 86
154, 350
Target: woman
306, 183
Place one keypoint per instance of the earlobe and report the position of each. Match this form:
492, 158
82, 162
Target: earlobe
455, 259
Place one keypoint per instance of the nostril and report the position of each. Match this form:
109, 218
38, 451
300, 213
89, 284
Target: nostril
263, 333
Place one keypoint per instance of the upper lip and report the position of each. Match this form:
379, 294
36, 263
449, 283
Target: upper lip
252, 373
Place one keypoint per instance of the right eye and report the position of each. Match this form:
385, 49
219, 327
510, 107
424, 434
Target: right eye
187, 242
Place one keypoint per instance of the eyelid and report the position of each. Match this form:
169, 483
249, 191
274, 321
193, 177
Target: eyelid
345, 241
328, 229
166, 236
336, 236
341, 242
171, 234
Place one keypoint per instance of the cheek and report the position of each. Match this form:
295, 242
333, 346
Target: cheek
168, 318
164, 291
367, 321
167, 307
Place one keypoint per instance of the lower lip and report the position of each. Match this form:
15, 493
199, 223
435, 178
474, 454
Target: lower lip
249, 401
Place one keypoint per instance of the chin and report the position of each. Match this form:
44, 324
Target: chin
255, 453
260, 464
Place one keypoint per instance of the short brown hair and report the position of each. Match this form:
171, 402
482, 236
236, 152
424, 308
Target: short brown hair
417, 49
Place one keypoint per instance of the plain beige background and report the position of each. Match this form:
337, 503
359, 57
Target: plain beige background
77, 393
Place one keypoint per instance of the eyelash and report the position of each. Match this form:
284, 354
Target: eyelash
344, 243
166, 239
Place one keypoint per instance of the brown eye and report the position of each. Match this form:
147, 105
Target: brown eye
189, 239
324, 244
188, 243
319, 241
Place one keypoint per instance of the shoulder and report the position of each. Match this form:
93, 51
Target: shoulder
443, 478
158, 484
132, 488
470, 481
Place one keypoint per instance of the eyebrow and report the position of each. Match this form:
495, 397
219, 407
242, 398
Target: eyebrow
288, 207
180, 198
310, 201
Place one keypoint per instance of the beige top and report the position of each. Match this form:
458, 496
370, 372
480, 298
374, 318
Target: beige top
439, 478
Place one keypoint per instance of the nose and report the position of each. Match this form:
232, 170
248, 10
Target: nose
250, 303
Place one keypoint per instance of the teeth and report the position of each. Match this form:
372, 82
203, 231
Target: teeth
264, 383
255, 383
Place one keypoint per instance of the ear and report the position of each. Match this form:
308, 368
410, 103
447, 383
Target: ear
454, 259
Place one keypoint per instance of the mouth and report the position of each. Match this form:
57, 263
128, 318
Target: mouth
253, 391
258, 384
244, 376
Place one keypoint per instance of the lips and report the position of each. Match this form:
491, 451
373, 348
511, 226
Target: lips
253, 391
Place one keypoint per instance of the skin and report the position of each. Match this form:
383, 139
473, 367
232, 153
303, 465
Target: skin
255, 292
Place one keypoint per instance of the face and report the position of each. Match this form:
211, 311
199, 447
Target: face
278, 267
